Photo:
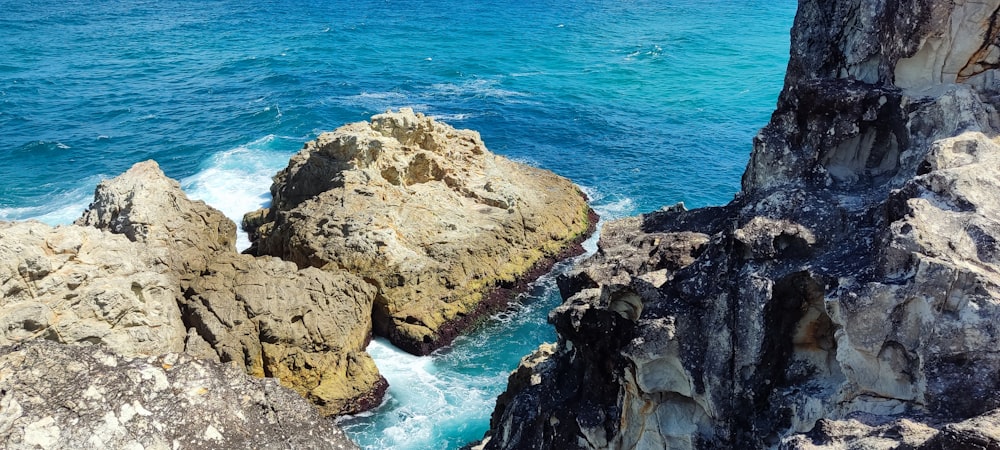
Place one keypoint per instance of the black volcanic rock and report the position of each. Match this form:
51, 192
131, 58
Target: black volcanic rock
855, 275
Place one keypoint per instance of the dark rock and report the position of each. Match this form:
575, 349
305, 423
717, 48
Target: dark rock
854, 276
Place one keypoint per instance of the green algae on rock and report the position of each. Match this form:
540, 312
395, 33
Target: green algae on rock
426, 214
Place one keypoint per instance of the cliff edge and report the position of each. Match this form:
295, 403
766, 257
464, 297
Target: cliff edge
846, 298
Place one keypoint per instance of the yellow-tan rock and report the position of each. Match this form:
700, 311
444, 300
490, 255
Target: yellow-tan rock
308, 328
425, 213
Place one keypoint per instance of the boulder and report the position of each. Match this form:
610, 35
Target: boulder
82, 285
55, 396
847, 297
308, 328
426, 214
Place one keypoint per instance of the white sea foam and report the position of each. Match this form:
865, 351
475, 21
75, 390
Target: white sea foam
483, 88
238, 181
451, 117
423, 398
381, 101
452, 391
57, 209
608, 207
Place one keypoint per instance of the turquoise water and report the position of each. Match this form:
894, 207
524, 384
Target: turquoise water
642, 103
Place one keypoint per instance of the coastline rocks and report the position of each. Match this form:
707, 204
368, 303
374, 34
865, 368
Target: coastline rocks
60, 396
426, 214
81, 285
308, 328
847, 298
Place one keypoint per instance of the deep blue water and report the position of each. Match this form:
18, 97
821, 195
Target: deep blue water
642, 103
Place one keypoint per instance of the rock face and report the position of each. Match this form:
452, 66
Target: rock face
426, 214
59, 396
307, 327
847, 298
82, 285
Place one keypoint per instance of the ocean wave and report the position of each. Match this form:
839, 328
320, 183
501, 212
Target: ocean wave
60, 208
238, 180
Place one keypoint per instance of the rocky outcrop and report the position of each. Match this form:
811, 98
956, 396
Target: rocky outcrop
426, 214
846, 298
308, 328
56, 396
82, 285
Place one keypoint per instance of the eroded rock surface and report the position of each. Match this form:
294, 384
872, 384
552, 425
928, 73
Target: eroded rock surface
847, 298
55, 396
82, 285
426, 214
306, 327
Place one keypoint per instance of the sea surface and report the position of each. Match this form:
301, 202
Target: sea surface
642, 103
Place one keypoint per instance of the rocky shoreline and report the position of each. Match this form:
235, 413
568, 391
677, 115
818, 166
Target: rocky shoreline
146, 274
846, 298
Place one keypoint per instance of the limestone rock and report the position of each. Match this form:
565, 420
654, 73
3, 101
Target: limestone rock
424, 212
308, 328
55, 396
81, 285
146, 206
848, 297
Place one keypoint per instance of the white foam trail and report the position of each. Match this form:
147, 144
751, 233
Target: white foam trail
238, 181
482, 88
608, 208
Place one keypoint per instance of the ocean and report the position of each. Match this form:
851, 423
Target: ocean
642, 103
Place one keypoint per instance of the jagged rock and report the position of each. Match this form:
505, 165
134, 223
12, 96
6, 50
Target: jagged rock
871, 432
308, 328
146, 206
55, 396
855, 275
82, 285
424, 212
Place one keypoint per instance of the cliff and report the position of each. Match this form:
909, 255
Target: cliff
442, 228
846, 298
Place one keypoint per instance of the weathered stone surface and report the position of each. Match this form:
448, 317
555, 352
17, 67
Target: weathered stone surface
307, 327
871, 432
81, 285
146, 206
55, 396
425, 213
854, 277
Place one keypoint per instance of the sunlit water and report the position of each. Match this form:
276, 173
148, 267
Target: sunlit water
642, 103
